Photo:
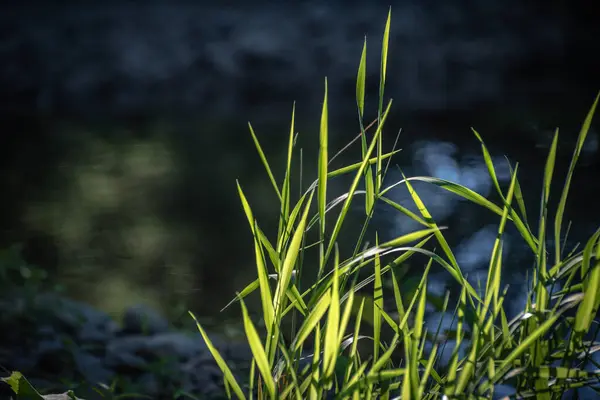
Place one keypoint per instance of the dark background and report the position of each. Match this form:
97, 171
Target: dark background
124, 123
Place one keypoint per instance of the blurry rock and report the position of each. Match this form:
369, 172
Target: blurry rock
140, 319
126, 353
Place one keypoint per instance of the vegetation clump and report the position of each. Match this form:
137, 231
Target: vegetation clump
541, 353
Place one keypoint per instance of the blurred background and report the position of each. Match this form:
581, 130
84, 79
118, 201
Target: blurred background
124, 126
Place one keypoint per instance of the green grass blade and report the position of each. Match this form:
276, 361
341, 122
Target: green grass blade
360, 81
346, 315
291, 372
332, 334
427, 372
377, 304
453, 365
488, 163
251, 287
290, 225
385, 357
524, 346
382, 77
355, 166
588, 308
439, 236
273, 254
494, 271
346, 207
469, 367
360, 101
355, 336
323, 161
316, 389
228, 375
478, 199
405, 211
384, 57
263, 158
258, 352
541, 254
455, 188
398, 298
290, 260
286, 187
563, 198
409, 237
263, 279
416, 339
312, 320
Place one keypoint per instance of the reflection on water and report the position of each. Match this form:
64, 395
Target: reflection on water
476, 233
154, 218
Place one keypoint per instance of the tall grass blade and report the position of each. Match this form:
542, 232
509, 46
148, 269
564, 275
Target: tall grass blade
563, 198
416, 338
286, 187
228, 375
312, 320
360, 82
382, 76
409, 237
588, 308
263, 158
323, 161
453, 365
258, 352
290, 259
355, 166
332, 335
377, 304
384, 58
346, 207
263, 279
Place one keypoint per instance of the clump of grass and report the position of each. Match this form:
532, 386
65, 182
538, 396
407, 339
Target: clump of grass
541, 353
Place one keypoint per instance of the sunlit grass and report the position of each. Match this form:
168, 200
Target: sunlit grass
305, 339
324, 329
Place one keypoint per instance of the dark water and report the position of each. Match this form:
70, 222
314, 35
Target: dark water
148, 212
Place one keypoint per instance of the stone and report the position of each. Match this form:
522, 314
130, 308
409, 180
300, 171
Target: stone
179, 344
140, 319
126, 352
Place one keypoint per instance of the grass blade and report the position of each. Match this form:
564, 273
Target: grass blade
332, 336
258, 352
377, 304
286, 187
563, 198
228, 375
588, 308
340, 220
360, 81
323, 161
263, 279
290, 260
263, 158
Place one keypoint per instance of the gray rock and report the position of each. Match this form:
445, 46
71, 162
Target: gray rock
92, 368
83, 321
76, 340
181, 345
150, 384
126, 352
140, 319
